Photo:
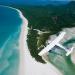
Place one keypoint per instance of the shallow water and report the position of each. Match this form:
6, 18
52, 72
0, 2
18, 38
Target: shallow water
10, 23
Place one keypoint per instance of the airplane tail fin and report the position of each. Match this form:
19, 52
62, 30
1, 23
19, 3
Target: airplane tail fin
70, 51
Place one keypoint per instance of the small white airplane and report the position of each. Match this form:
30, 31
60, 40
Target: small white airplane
56, 43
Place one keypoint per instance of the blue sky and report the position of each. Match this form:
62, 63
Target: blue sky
33, 2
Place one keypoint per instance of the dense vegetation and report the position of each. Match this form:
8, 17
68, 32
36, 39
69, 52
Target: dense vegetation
47, 18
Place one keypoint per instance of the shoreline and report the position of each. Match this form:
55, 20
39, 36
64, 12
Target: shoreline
21, 46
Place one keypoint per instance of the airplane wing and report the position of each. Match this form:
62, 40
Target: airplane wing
46, 49
52, 44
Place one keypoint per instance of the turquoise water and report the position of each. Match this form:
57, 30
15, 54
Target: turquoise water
10, 23
62, 62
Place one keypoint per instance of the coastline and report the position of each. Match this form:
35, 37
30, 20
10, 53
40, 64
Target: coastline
21, 44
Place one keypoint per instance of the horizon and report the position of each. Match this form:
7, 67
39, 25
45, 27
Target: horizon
34, 2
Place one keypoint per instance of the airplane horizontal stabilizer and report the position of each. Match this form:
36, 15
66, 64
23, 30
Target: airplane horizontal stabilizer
70, 51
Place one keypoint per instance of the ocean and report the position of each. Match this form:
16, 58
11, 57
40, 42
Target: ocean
10, 27
9, 22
